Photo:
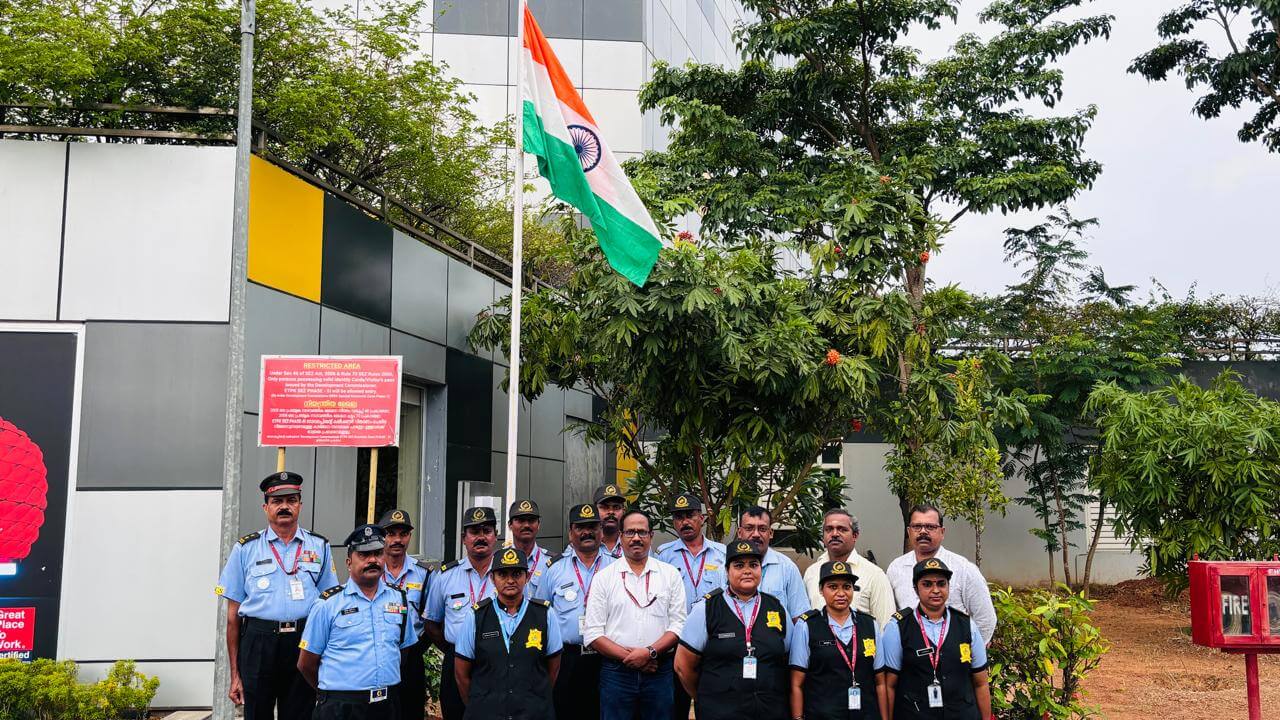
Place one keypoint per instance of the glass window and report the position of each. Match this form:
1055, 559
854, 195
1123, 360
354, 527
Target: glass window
399, 480
1273, 604
557, 18
613, 20
473, 17
1236, 619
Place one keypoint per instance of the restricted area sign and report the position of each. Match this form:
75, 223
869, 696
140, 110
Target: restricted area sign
329, 401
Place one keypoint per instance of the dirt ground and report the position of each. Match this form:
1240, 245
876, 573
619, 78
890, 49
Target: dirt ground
1154, 671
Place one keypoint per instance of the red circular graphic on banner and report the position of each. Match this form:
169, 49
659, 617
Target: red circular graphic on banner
23, 486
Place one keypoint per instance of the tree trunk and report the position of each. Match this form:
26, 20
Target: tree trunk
1093, 545
905, 506
1062, 529
977, 547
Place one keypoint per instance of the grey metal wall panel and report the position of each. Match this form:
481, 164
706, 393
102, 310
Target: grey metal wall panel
547, 487
335, 492
152, 413
343, 334
500, 410
557, 18
473, 17
498, 477
419, 289
275, 324
258, 462
613, 20
584, 468
547, 426
423, 360
469, 293
577, 405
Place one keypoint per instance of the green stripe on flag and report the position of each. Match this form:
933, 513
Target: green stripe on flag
629, 248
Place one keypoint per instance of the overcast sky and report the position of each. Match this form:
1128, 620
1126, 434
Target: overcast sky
1180, 198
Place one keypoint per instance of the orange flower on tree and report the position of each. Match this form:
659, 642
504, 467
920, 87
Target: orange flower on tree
833, 356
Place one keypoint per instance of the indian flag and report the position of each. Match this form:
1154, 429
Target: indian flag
572, 156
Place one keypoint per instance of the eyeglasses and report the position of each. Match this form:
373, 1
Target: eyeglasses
634, 533
924, 528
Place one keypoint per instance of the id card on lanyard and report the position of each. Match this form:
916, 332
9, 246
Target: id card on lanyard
586, 592
296, 589
935, 655
748, 662
855, 692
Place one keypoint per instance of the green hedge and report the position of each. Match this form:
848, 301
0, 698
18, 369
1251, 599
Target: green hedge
50, 690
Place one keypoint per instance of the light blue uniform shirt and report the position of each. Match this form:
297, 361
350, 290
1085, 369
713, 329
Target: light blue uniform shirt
709, 562
358, 639
537, 567
843, 633
891, 642
568, 598
466, 645
781, 578
694, 634
414, 579
253, 577
452, 592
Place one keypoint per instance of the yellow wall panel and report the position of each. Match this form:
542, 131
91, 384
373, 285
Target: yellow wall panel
286, 223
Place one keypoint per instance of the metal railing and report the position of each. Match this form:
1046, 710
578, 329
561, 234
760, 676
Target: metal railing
367, 196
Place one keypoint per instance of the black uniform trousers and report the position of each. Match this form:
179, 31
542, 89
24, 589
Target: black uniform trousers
268, 662
577, 691
355, 705
681, 703
413, 682
451, 705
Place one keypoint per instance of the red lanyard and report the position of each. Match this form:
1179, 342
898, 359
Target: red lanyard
702, 566
647, 575
471, 589
748, 625
533, 564
853, 642
935, 652
586, 587
296, 555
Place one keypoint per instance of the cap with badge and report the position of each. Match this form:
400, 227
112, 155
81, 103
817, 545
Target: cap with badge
743, 548
523, 508
837, 570
932, 566
281, 484
512, 558
478, 516
609, 492
395, 518
580, 514
685, 501
366, 538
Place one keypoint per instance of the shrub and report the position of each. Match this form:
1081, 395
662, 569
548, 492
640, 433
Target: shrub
48, 690
1045, 646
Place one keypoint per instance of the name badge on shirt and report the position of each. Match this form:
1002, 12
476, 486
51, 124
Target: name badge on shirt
855, 698
749, 668
296, 590
489, 635
935, 694
726, 635
456, 603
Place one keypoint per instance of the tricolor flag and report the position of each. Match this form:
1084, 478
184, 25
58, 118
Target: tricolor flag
572, 156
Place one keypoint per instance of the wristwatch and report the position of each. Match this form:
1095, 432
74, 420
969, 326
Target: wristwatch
653, 654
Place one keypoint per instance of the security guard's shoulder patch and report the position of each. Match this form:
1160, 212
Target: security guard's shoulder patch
713, 593
450, 565
536, 601
330, 592
249, 538
482, 603
431, 567
553, 559
808, 614
897, 615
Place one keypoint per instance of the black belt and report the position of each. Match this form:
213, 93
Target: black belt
274, 626
361, 697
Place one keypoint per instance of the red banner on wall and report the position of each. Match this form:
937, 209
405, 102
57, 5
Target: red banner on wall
329, 401
17, 632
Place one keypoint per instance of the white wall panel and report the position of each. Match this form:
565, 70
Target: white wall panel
140, 575
491, 103
613, 65
31, 182
617, 112
184, 684
148, 233
568, 51
478, 59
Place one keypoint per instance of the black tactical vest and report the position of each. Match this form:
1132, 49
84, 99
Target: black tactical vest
512, 685
827, 681
723, 694
955, 672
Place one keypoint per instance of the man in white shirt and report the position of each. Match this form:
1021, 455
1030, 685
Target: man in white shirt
779, 575
634, 617
969, 591
840, 535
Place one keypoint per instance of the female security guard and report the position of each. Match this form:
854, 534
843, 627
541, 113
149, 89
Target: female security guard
836, 662
732, 657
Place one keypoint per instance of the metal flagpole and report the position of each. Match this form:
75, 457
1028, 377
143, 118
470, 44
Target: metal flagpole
222, 707
517, 261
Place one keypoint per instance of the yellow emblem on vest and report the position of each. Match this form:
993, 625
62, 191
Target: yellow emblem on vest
535, 639
773, 619
682, 502
869, 647
966, 653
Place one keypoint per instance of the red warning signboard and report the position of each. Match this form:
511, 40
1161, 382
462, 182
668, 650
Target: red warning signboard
329, 401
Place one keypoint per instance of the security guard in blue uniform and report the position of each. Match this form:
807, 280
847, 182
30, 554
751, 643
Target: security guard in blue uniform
351, 648
566, 584
508, 649
610, 503
404, 572
836, 663
458, 586
271, 580
732, 657
523, 524
935, 658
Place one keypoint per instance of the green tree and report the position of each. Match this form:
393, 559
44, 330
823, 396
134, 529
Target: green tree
831, 87
1246, 72
1190, 471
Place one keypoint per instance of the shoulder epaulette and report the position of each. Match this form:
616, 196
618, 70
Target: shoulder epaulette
330, 592
543, 603
713, 593
316, 534
553, 559
482, 603
808, 614
430, 566
897, 615
450, 565
250, 536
